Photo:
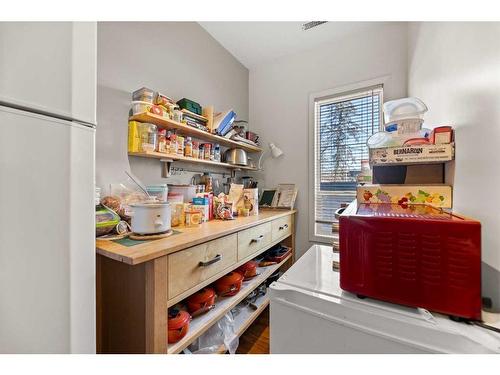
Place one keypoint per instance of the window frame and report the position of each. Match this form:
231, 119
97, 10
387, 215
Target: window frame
313, 99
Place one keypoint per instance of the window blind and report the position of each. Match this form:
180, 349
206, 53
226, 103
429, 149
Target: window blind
343, 124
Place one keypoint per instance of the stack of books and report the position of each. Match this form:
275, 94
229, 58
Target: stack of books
194, 120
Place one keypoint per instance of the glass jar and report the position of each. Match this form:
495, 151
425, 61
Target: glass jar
206, 180
148, 137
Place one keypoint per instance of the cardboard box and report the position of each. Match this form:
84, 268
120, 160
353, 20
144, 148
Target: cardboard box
436, 195
134, 137
414, 174
412, 154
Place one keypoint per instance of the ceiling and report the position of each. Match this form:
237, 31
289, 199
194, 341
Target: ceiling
253, 43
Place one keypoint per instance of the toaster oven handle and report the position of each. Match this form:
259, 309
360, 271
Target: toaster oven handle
339, 212
211, 261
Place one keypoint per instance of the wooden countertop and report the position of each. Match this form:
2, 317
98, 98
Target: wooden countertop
186, 238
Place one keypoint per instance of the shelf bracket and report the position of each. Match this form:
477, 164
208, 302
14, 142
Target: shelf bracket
166, 164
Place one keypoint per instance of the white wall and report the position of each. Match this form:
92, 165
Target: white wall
279, 98
455, 69
179, 59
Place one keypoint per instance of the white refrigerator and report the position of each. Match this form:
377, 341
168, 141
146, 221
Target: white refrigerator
47, 168
326, 319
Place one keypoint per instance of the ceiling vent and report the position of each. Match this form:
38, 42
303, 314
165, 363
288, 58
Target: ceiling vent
310, 25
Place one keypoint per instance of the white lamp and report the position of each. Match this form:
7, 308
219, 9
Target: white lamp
276, 152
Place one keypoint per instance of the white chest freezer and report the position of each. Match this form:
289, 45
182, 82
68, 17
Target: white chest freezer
309, 313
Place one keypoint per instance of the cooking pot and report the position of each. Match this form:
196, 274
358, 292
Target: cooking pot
178, 324
236, 156
248, 270
201, 302
151, 218
229, 285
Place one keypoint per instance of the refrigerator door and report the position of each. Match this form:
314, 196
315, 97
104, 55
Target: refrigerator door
50, 68
47, 229
328, 320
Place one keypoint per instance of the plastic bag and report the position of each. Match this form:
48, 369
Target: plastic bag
221, 333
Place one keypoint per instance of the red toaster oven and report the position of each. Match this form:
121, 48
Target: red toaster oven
414, 255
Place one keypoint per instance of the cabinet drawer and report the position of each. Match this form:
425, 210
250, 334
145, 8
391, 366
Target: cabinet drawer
188, 268
253, 239
282, 227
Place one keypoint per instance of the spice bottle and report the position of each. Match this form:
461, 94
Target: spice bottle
217, 152
180, 145
207, 147
188, 147
162, 140
196, 150
173, 144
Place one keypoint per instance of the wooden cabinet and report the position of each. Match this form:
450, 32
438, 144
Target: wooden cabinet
137, 284
250, 241
281, 228
190, 267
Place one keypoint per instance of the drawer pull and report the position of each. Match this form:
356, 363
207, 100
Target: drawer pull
211, 261
283, 227
258, 239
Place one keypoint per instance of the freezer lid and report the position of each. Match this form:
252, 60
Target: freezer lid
313, 272
311, 284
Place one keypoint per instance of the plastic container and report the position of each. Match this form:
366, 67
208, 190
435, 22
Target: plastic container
188, 191
394, 139
405, 108
159, 191
140, 107
175, 198
105, 220
177, 213
143, 94
190, 105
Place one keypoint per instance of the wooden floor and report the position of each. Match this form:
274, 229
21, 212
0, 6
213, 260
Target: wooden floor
255, 340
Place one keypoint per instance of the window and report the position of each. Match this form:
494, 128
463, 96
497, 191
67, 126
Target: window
342, 124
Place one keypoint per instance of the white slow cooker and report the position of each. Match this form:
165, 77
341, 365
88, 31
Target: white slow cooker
151, 218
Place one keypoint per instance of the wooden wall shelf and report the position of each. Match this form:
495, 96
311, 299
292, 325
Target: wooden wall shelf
164, 123
176, 157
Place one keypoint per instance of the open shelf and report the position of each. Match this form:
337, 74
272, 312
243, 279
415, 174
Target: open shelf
176, 157
201, 324
246, 317
168, 124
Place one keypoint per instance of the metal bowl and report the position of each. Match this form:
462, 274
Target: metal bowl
236, 156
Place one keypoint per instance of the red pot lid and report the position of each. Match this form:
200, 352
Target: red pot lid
248, 266
230, 279
201, 296
416, 142
177, 318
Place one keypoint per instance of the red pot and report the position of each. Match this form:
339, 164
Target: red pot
229, 285
201, 302
248, 270
178, 324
